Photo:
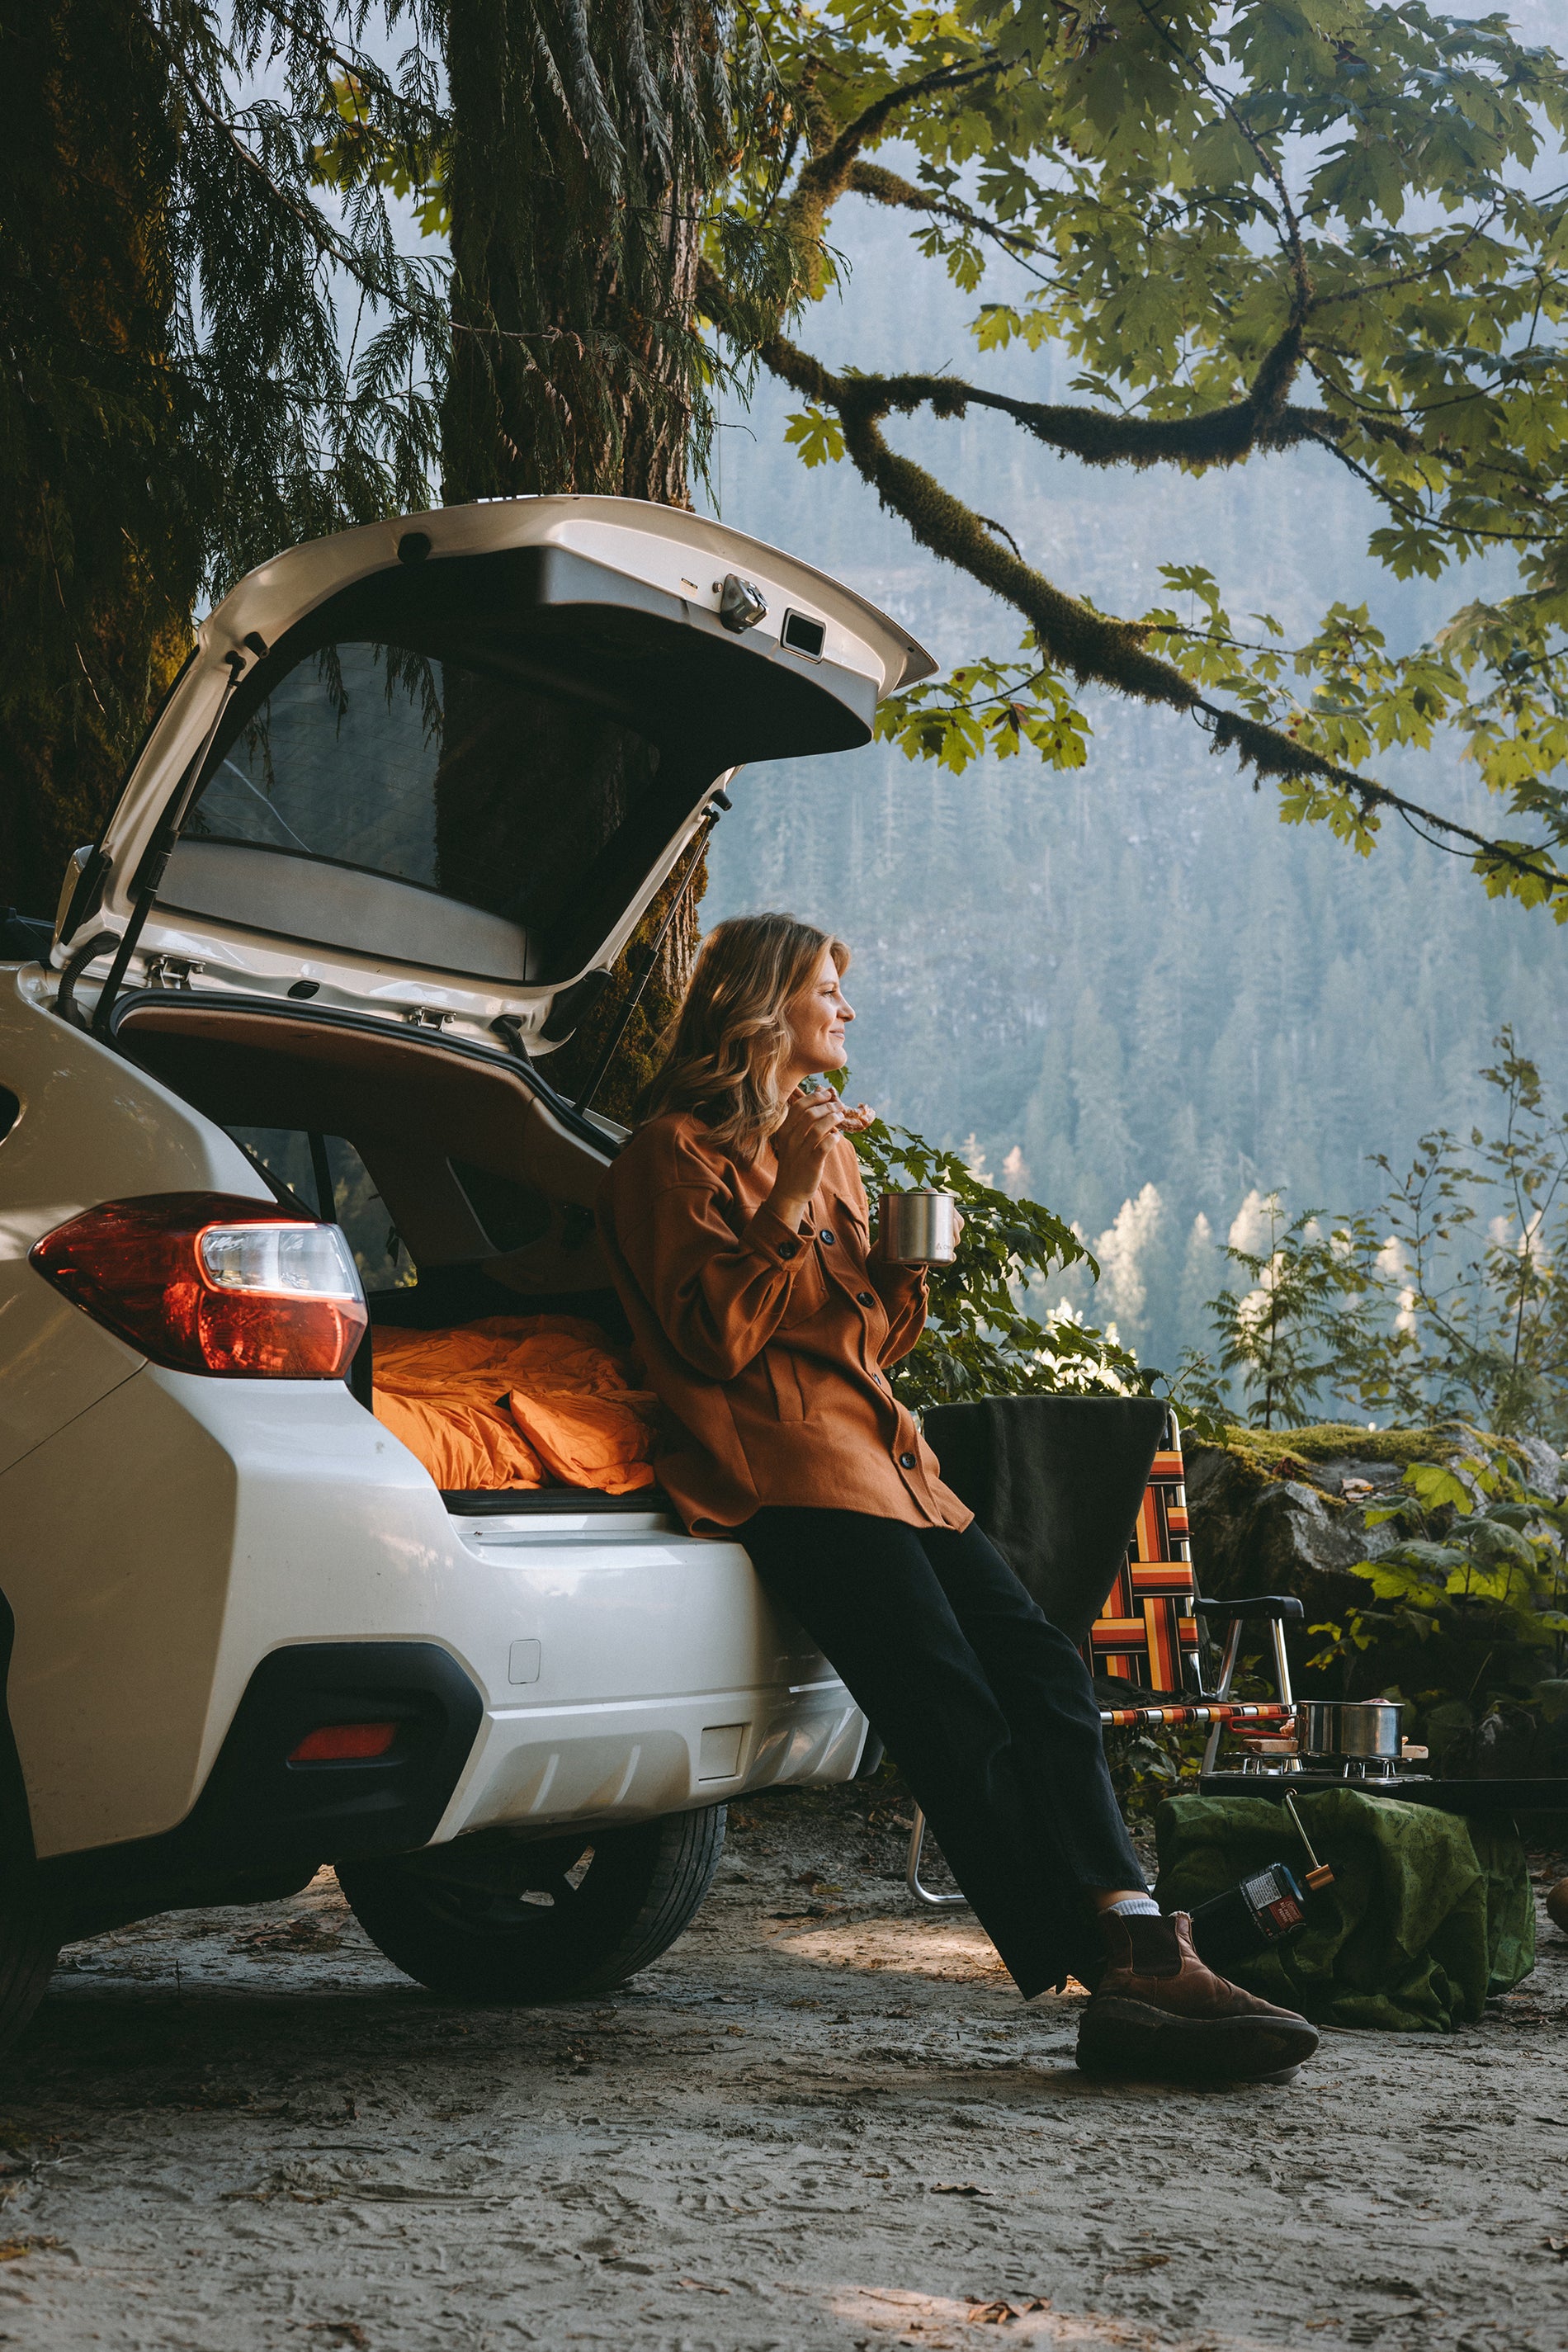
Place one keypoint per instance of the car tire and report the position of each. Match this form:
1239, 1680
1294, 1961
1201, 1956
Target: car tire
29, 1947
494, 1917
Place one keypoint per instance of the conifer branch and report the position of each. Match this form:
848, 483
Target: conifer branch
329, 244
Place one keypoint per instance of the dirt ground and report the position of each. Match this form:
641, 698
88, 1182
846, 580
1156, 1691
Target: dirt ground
824, 2120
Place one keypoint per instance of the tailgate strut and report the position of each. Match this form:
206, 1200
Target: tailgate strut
150, 872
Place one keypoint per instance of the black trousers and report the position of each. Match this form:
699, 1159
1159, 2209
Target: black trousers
988, 1707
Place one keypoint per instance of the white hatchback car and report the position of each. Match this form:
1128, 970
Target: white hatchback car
287, 1058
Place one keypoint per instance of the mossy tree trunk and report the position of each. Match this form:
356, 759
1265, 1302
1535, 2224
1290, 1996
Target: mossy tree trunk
97, 564
584, 140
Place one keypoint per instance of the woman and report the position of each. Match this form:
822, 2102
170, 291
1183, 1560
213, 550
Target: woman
738, 1232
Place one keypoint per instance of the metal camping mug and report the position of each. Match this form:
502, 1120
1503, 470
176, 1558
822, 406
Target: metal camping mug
917, 1228
1365, 1730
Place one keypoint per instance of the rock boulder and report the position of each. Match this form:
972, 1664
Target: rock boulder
1287, 1511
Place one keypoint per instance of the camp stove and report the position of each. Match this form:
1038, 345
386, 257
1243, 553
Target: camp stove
1357, 1744
1354, 1741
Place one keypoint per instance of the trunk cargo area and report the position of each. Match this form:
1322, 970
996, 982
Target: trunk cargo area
497, 1347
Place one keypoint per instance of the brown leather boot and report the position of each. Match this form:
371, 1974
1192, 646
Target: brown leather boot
1158, 2014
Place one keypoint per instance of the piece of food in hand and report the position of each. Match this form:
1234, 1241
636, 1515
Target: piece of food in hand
854, 1118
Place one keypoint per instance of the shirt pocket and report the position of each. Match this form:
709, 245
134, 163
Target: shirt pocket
854, 1234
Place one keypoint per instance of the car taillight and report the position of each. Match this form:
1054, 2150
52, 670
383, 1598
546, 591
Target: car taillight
204, 1283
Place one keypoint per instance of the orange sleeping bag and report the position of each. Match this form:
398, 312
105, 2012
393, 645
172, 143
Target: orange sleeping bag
516, 1400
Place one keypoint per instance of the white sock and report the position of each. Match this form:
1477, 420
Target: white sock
1136, 1906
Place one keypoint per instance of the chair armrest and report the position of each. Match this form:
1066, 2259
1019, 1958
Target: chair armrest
1260, 1604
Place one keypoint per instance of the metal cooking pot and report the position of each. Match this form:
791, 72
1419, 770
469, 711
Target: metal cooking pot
917, 1228
1365, 1730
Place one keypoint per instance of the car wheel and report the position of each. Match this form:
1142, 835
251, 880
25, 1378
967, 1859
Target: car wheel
496, 1917
29, 1947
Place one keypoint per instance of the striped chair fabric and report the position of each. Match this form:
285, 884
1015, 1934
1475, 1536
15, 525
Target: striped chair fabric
1147, 1634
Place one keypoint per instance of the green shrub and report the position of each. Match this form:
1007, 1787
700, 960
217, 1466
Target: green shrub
1478, 1581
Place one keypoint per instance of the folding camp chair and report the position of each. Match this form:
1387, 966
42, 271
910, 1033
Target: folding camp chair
1053, 1480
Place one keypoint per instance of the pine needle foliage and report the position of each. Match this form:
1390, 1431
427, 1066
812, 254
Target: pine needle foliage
204, 361
318, 350
1277, 1334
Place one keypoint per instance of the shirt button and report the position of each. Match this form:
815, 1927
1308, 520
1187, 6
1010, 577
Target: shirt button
906, 1461
826, 1236
866, 1297
788, 1249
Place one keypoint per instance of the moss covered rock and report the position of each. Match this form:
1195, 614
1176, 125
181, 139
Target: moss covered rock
1288, 1510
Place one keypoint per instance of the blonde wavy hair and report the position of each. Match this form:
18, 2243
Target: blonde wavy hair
724, 1052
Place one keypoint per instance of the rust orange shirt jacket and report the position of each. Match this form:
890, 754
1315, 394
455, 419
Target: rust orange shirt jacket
766, 1346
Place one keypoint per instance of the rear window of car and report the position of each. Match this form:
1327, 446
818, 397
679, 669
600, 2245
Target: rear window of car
379, 1249
482, 785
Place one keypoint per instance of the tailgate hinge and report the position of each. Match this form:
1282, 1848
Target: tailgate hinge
172, 970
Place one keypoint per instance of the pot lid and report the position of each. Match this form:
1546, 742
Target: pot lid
436, 768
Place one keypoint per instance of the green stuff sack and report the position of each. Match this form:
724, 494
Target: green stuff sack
1426, 1917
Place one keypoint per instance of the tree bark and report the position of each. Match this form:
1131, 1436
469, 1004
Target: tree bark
98, 565
586, 133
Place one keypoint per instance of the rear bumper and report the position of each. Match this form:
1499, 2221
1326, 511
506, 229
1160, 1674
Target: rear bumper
631, 1760
190, 1553
264, 1819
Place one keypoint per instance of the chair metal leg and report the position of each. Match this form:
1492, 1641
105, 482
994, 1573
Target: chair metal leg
1221, 1691
922, 1893
1232, 1656
1281, 1662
